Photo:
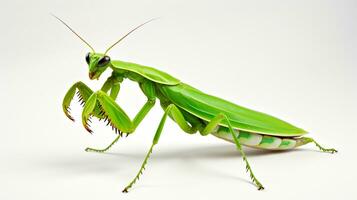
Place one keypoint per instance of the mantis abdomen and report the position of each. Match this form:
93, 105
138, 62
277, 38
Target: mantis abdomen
261, 141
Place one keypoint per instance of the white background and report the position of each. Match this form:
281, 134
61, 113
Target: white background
293, 59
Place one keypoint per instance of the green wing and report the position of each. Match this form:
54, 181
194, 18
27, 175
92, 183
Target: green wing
206, 107
147, 72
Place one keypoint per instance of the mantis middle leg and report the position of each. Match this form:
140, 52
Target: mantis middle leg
178, 117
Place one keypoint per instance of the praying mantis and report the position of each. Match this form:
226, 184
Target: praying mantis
192, 110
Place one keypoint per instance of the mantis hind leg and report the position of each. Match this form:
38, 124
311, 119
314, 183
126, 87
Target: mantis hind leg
247, 165
176, 114
306, 140
211, 126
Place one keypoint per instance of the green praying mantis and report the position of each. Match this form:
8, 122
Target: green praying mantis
193, 110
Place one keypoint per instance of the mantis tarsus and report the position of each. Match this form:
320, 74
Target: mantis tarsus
193, 110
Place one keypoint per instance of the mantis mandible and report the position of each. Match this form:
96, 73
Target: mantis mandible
193, 110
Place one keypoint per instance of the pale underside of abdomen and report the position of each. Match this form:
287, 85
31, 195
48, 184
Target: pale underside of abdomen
260, 141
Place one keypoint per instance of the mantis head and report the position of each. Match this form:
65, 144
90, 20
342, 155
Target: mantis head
99, 62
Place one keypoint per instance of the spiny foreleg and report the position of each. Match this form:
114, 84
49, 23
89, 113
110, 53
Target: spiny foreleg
114, 115
84, 92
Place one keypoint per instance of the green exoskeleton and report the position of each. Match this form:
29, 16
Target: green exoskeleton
193, 110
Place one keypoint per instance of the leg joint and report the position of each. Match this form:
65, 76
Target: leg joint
79, 83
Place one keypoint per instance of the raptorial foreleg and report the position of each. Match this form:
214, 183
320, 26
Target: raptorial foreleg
84, 92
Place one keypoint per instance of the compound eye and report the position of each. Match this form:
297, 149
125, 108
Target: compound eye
103, 61
88, 58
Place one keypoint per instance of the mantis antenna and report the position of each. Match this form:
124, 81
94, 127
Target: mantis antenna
122, 38
74, 32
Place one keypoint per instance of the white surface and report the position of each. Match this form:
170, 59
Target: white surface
292, 59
